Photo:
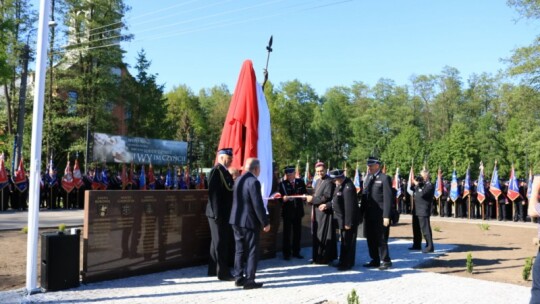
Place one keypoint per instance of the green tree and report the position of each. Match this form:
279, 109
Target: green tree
447, 102
185, 117
405, 148
332, 125
424, 86
91, 75
214, 104
146, 106
291, 114
16, 19
524, 61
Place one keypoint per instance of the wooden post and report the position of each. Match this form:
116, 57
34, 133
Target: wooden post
470, 206
497, 207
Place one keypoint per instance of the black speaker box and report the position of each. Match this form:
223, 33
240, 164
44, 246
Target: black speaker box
59, 261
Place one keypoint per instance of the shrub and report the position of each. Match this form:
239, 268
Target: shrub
62, 227
24, 230
352, 298
470, 264
527, 268
484, 226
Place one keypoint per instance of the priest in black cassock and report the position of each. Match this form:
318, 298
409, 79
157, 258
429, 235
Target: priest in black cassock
323, 230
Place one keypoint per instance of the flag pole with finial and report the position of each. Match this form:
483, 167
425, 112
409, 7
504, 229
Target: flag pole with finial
482, 205
269, 49
455, 202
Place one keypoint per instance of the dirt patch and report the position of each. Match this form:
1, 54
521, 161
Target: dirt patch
498, 253
13, 259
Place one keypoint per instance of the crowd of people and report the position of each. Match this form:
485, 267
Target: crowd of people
236, 215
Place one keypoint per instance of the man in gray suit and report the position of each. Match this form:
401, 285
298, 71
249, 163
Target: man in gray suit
248, 217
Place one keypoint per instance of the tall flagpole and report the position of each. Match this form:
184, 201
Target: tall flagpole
35, 155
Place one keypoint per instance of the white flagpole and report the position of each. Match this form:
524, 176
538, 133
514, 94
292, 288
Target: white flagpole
35, 155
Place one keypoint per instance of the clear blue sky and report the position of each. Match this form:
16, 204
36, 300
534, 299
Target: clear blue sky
322, 43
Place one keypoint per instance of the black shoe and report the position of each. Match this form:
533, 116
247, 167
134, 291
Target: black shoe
428, 250
415, 248
227, 278
385, 265
240, 282
298, 256
335, 264
252, 285
344, 268
286, 258
372, 264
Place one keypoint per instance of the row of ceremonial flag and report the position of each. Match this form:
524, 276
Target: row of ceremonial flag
146, 180
494, 186
19, 178
73, 179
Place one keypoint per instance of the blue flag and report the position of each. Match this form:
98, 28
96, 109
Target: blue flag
494, 185
104, 179
356, 180
142, 179
513, 188
454, 193
480, 188
467, 186
168, 179
438, 185
174, 178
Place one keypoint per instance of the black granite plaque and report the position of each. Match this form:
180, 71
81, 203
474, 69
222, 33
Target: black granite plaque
136, 232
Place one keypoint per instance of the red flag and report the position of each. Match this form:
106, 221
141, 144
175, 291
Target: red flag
3, 173
410, 182
20, 180
200, 184
187, 177
132, 180
67, 179
240, 130
77, 176
151, 178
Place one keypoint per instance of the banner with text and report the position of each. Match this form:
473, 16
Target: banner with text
122, 149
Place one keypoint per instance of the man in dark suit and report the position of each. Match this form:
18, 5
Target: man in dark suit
292, 211
423, 197
248, 217
377, 205
346, 212
218, 211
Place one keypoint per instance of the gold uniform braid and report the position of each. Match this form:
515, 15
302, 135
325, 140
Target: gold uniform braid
222, 177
